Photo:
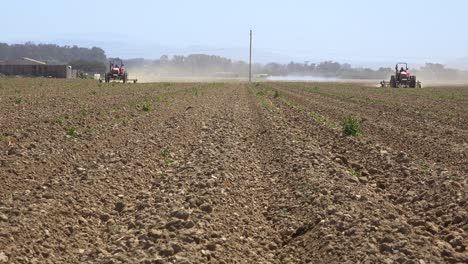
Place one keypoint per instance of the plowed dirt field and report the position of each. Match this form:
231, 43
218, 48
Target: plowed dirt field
231, 173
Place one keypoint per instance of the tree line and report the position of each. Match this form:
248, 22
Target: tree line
201, 64
94, 60
85, 59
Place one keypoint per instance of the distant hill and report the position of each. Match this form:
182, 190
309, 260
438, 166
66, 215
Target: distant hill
51, 53
152, 51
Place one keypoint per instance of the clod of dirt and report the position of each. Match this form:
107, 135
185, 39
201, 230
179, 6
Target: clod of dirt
3, 257
181, 214
176, 247
363, 179
3, 217
176, 224
155, 234
356, 165
104, 217
272, 246
211, 246
352, 178
206, 208
119, 206
166, 251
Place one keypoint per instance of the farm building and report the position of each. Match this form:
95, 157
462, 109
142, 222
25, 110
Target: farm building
31, 67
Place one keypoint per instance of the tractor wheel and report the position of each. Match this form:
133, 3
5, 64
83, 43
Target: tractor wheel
125, 78
393, 82
412, 83
107, 78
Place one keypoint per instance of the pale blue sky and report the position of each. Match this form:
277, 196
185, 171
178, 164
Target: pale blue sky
366, 30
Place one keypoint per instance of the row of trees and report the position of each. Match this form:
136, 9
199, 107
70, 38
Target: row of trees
200, 64
94, 60
89, 67
325, 69
436, 71
84, 59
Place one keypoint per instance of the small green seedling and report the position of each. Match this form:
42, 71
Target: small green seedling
351, 127
260, 93
166, 156
354, 172
72, 132
147, 106
60, 120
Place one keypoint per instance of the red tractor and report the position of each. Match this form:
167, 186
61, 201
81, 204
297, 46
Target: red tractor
117, 72
402, 77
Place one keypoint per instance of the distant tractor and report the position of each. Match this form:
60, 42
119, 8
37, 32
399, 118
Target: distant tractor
402, 77
117, 72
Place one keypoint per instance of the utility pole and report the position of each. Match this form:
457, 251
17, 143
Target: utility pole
250, 58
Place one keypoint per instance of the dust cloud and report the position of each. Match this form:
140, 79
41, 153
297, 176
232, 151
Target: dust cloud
145, 75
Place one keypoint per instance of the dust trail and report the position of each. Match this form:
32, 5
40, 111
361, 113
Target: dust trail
145, 76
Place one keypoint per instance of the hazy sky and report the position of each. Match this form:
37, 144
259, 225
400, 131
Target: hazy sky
342, 30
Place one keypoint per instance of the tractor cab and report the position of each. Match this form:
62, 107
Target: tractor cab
402, 73
401, 70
